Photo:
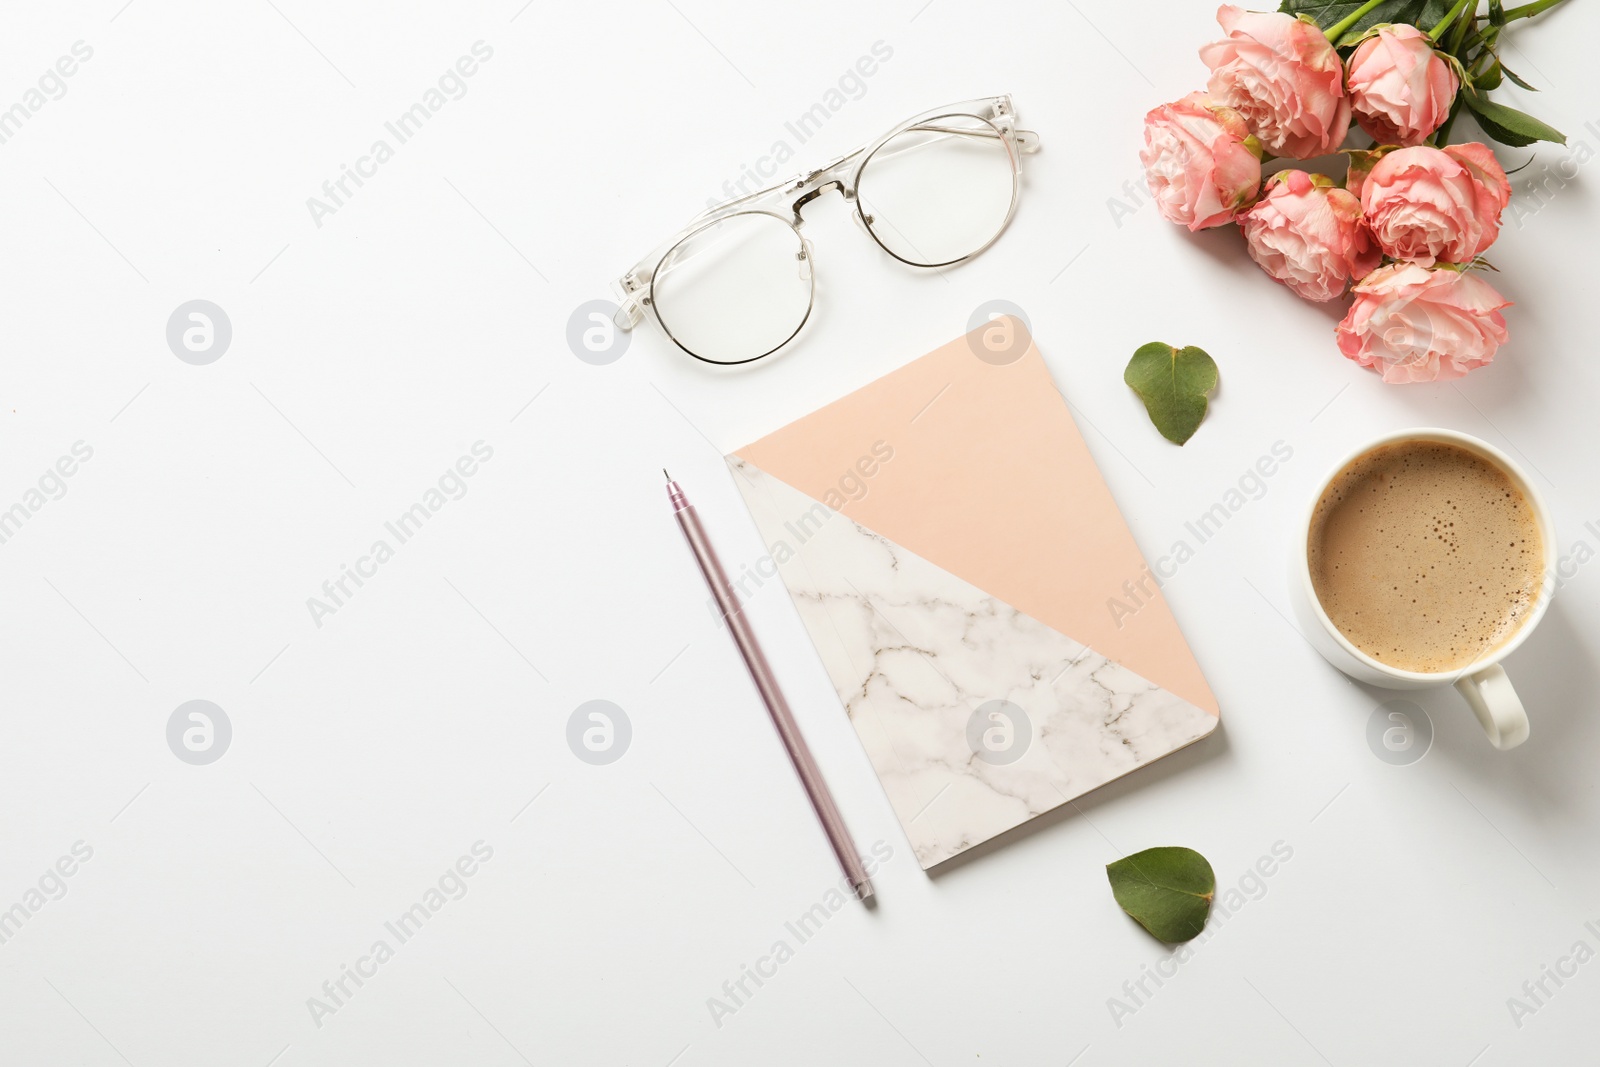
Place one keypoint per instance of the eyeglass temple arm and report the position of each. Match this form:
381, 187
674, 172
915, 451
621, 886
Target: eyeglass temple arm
1027, 141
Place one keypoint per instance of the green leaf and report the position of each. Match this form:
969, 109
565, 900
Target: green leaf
1424, 14
1167, 890
1508, 125
1513, 76
1173, 383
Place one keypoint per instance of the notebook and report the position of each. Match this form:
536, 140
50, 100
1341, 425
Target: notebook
978, 601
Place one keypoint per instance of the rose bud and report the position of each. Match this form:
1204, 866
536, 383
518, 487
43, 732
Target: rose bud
1199, 167
1413, 324
1435, 205
1284, 77
1400, 88
1309, 234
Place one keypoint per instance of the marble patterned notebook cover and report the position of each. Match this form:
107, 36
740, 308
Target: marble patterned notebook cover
960, 564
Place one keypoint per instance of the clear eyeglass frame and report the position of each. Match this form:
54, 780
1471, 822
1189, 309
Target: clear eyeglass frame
984, 118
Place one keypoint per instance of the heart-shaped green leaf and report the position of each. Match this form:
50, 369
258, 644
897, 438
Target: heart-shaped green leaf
1167, 890
1173, 383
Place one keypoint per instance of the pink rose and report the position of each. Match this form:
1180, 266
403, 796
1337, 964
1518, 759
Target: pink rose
1284, 77
1418, 325
1400, 88
1433, 205
1309, 235
1195, 159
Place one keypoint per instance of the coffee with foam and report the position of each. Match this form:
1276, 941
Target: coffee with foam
1425, 555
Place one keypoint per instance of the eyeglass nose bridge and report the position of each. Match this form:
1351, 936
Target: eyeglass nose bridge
836, 183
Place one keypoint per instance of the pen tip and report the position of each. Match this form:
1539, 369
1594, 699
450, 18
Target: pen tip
664, 472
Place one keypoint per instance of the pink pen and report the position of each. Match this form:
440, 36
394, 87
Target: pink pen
767, 685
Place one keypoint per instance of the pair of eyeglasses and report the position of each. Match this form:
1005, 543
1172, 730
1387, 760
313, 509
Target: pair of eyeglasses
737, 283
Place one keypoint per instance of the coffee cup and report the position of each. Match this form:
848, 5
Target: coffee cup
1374, 561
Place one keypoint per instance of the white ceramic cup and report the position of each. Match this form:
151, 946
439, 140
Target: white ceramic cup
1483, 682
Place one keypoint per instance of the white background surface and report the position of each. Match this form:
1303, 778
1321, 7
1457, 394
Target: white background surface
368, 754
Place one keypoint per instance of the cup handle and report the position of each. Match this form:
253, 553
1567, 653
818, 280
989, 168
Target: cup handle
1497, 706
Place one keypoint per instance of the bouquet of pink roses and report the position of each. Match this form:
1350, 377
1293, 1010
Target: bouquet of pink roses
1414, 214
